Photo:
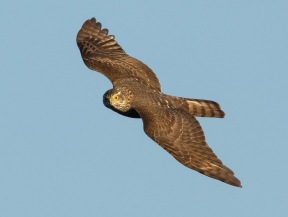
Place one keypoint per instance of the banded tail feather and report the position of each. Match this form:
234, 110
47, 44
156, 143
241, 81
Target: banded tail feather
203, 108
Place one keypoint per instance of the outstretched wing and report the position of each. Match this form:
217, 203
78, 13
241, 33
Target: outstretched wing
100, 52
181, 135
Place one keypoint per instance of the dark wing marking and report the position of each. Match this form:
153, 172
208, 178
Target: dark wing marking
102, 53
181, 135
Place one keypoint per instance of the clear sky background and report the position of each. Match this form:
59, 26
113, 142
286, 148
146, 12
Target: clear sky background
62, 153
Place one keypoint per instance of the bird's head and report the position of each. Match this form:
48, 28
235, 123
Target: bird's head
118, 98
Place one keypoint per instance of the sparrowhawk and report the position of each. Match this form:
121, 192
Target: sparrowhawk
168, 120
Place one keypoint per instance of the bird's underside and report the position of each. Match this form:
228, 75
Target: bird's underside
170, 121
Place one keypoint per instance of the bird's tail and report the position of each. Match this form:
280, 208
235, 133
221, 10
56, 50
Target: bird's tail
202, 108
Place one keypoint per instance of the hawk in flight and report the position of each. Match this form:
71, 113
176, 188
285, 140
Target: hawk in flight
169, 121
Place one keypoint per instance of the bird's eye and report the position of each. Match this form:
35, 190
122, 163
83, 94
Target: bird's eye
116, 97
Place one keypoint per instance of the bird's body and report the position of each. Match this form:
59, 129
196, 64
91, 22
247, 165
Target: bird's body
169, 121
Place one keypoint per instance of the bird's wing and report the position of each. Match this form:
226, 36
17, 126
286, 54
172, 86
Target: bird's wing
181, 135
100, 52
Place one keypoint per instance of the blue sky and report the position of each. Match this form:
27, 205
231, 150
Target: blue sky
62, 153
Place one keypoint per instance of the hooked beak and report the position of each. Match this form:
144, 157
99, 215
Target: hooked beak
106, 102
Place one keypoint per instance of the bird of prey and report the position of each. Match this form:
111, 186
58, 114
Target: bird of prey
168, 120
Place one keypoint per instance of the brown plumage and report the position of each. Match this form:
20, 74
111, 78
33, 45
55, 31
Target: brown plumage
136, 93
